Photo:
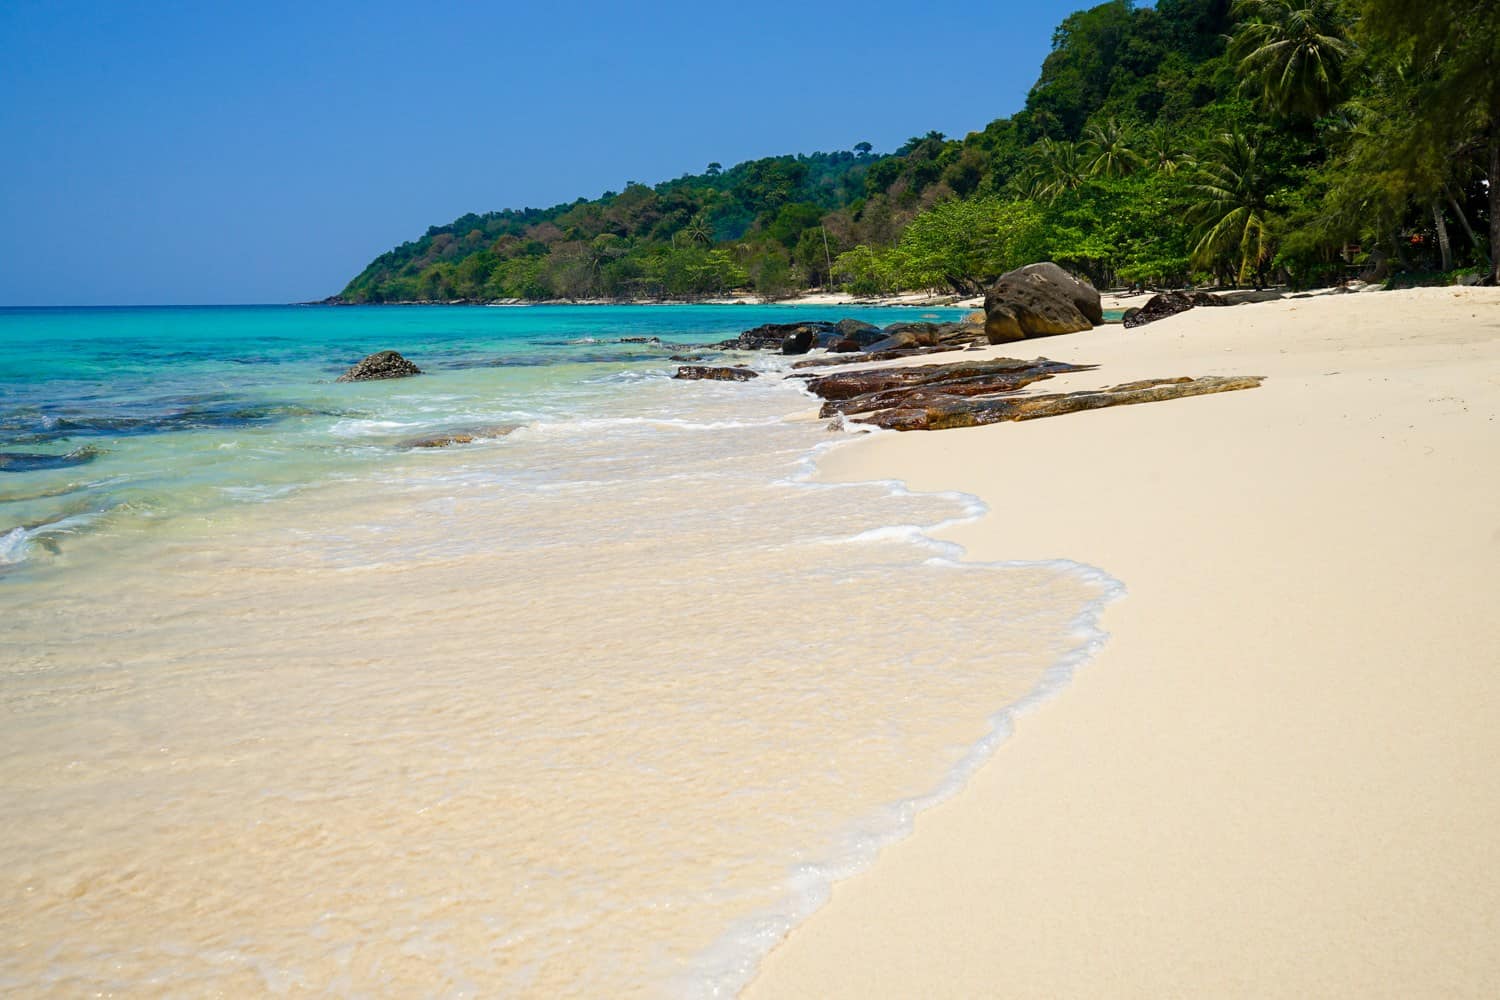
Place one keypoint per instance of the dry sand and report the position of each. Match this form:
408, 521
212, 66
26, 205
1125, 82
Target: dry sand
1282, 775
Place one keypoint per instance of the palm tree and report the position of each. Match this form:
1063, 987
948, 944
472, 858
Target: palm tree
698, 230
1161, 151
1231, 207
1107, 148
1293, 53
1057, 168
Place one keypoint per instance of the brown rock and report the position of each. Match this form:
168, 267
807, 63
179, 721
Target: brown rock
847, 385
949, 412
864, 358
930, 394
708, 372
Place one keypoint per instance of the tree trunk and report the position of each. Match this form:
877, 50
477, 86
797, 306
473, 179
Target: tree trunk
1495, 202
1463, 220
1444, 246
1400, 249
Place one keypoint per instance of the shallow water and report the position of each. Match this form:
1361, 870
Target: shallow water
598, 707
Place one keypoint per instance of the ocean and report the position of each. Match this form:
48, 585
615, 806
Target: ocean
597, 703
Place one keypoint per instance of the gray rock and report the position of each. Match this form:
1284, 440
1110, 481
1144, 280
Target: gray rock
1039, 300
382, 364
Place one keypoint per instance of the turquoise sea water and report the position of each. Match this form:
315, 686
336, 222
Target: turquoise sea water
112, 418
599, 705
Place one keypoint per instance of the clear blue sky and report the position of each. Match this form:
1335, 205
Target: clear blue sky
264, 151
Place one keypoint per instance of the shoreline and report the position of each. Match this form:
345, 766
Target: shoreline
1275, 779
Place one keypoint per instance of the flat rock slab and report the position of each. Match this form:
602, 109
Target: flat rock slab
847, 385
923, 395
862, 358
713, 374
933, 414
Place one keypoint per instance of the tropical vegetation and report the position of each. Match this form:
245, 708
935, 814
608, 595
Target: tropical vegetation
1223, 141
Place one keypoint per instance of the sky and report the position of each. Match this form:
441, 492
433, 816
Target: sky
197, 153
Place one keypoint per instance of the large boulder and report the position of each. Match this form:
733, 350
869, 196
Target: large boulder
381, 364
1039, 300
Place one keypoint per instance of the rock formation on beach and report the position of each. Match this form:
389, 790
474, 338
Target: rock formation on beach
715, 374
855, 337
937, 397
939, 411
1165, 304
1039, 300
381, 364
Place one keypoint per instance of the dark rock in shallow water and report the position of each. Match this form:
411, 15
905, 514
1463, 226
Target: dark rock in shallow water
772, 336
705, 372
467, 436
1039, 300
799, 341
949, 411
382, 364
26, 461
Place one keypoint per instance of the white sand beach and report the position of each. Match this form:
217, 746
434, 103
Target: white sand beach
1280, 776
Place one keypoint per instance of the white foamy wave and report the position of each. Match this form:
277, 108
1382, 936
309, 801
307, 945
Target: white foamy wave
14, 546
355, 427
629, 376
596, 425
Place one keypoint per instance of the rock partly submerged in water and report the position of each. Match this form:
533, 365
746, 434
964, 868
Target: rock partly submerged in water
1039, 300
941, 412
26, 461
714, 374
775, 336
465, 436
381, 364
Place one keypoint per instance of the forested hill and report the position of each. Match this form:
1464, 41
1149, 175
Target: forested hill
1303, 140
